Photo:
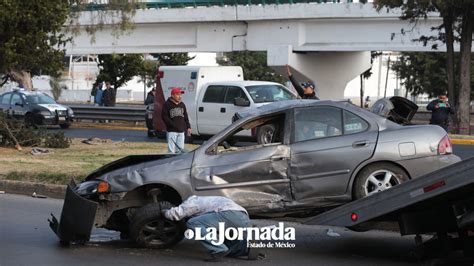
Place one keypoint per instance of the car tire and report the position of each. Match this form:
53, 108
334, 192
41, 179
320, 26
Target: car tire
151, 133
65, 126
378, 177
265, 134
149, 229
30, 121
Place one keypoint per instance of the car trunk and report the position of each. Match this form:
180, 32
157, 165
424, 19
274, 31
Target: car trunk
397, 109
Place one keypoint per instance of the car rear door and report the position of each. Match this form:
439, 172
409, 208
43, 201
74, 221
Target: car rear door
328, 143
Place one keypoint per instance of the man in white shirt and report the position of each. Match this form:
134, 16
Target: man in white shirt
208, 211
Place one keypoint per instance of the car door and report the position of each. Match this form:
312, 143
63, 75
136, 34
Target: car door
17, 106
209, 112
328, 143
5, 104
254, 176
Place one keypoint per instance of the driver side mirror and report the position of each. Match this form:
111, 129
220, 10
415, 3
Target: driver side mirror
241, 102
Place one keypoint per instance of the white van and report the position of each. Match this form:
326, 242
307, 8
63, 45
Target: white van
214, 94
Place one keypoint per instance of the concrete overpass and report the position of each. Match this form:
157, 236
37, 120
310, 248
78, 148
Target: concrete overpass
327, 43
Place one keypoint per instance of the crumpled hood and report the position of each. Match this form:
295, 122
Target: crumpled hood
136, 170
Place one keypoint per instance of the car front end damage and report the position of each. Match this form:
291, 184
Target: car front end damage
77, 217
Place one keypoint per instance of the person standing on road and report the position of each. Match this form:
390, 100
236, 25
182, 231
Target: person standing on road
150, 97
305, 90
440, 109
99, 93
108, 98
208, 211
176, 119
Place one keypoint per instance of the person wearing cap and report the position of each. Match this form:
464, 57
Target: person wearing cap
305, 90
176, 119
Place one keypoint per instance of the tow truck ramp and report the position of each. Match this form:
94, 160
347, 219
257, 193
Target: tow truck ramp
440, 203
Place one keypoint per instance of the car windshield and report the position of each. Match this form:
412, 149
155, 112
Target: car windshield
39, 99
269, 93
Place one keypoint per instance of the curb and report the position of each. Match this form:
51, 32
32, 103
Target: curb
463, 141
28, 188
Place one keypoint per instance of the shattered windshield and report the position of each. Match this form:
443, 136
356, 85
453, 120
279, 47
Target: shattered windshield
39, 99
269, 93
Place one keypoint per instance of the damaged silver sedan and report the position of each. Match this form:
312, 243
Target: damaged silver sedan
315, 155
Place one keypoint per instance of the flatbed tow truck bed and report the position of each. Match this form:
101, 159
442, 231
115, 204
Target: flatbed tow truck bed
439, 203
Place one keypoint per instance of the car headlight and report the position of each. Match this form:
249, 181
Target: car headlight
46, 113
92, 187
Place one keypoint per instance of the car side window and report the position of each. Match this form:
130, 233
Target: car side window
214, 94
6, 99
354, 124
232, 93
16, 99
317, 122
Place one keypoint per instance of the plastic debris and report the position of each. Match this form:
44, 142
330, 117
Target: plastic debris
40, 151
34, 195
332, 233
2, 192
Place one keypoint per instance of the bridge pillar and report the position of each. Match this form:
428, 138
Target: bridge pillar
329, 71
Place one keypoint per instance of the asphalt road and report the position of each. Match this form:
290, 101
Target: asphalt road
463, 151
26, 239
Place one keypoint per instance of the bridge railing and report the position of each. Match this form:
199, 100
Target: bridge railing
207, 3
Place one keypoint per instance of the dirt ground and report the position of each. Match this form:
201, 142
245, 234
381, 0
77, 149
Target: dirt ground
59, 165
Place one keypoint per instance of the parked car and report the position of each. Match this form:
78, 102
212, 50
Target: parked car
321, 154
35, 108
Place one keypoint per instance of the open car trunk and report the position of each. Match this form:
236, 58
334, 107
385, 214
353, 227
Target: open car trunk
397, 109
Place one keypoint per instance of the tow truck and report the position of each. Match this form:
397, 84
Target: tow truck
439, 205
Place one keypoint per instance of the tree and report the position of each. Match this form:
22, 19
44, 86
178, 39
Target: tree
31, 43
366, 75
458, 17
254, 65
150, 67
33, 33
118, 69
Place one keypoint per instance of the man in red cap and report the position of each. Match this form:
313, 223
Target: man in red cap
176, 119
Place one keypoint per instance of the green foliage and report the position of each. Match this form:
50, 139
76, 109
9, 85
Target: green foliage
14, 132
165, 59
57, 140
118, 69
31, 36
425, 72
254, 65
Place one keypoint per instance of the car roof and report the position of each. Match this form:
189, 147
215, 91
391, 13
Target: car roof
285, 105
25, 92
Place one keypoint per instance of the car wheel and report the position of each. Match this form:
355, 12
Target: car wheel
378, 177
151, 134
148, 227
265, 134
65, 126
29, 121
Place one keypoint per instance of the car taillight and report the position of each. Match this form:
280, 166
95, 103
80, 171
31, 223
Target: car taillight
445, 146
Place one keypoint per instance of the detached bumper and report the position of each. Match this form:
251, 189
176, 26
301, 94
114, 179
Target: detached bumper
77, 217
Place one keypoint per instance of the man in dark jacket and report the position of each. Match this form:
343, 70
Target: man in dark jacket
305, 90
150, 97
108, 98
176, 119
440, 109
